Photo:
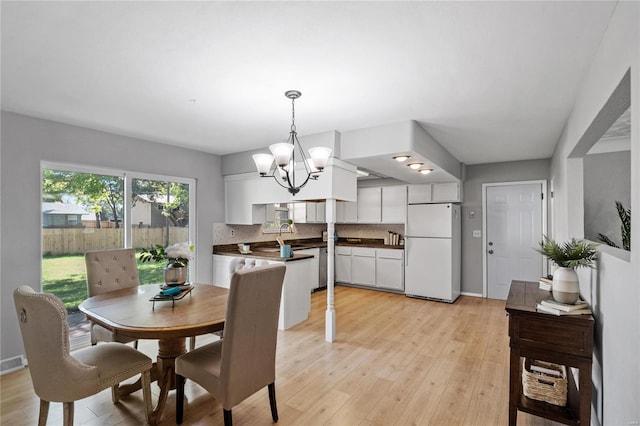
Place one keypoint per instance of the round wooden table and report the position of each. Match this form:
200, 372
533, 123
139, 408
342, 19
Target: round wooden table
129, 312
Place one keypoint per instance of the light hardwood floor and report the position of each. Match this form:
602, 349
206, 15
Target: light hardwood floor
396, 361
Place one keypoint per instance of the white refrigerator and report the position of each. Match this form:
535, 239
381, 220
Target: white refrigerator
432, 251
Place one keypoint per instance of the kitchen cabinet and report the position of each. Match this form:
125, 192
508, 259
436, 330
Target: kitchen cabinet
343, 264
370, 267
363, 266
308, 212
447, 192
296, 298
314, 277
390, 269
346, 212
386, 204
394, 204
369, 202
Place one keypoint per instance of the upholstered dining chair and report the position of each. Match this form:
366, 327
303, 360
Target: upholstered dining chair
59, 376
110, 270
243, 361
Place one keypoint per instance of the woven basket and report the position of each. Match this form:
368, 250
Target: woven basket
544, 387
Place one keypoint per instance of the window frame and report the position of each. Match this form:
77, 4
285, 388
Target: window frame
128, 176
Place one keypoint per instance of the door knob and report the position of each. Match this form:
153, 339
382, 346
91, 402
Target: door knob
490, 251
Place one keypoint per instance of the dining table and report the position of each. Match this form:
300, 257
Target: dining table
133, 312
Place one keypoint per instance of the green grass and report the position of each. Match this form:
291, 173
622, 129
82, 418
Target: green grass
65, 277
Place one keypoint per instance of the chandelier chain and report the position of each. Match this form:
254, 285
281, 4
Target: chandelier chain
293, 115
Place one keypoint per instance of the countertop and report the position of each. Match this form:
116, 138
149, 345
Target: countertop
269, 250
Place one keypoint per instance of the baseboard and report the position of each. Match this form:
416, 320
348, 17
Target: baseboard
464, 293
11, 364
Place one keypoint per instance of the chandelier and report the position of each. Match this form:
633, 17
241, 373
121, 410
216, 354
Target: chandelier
284, 156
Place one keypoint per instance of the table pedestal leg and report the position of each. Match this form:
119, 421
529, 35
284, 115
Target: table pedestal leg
168, 351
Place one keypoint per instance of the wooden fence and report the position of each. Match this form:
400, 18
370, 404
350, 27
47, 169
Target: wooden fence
60, 241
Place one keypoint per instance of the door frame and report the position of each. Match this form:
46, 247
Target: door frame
545, 200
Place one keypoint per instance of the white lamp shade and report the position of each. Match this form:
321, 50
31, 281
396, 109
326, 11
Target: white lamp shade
312, 168
281, 153
320, 156
263, 162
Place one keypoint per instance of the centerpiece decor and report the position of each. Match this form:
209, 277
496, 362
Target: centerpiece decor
178, 256
568, 256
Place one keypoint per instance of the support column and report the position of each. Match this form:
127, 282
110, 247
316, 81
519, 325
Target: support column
330, 315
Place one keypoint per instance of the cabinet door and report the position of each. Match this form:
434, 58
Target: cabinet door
390, 273
321, 209
419, 193
314, 278
363, 270
369, 205
363, 266
350, 212
394, 204
310, 212
343, 268
449, 192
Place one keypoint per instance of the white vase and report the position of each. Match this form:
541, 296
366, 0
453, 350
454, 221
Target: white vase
566, 288
175, 275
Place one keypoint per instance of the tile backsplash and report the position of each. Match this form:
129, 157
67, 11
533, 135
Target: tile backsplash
232, 234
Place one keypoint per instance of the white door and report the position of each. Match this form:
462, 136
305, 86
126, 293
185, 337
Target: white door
514, 226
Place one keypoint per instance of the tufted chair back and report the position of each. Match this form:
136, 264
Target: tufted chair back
59, 376
109, 270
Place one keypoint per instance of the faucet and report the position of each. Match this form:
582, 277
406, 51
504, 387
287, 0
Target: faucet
288, 226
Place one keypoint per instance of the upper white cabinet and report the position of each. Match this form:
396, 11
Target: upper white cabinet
346, 212
449, 192
394, 204
385, 204
369, 205
308, 212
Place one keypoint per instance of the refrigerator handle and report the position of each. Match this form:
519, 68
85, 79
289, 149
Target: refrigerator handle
406, 250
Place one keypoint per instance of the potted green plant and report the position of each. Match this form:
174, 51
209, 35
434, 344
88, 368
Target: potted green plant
568, 256
178, 257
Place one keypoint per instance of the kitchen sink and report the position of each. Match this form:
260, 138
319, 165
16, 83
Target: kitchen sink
267, 249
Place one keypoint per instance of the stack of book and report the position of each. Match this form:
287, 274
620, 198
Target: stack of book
550, 306
545, 283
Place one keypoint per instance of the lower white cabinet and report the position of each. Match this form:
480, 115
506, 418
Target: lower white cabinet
390, 269
314, 277
343, 264
363, 266
371, 267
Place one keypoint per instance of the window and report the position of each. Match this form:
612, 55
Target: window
87, 209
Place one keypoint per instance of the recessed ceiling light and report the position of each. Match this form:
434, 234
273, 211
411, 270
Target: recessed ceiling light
415, 165
401, 158
425, 171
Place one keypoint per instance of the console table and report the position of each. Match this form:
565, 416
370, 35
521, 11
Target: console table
565, 340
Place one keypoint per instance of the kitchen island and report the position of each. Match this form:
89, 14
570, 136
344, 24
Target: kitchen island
296, 298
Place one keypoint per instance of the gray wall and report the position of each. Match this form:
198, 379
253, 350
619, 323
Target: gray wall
472, 248
607, 179
612, 288
27, 141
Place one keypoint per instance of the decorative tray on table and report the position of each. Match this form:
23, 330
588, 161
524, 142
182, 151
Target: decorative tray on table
171, 292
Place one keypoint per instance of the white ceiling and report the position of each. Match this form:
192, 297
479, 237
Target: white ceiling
491, 81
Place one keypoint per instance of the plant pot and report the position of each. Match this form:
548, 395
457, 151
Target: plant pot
565, 288
175, 275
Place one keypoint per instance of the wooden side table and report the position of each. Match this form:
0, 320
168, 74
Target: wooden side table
565, 340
